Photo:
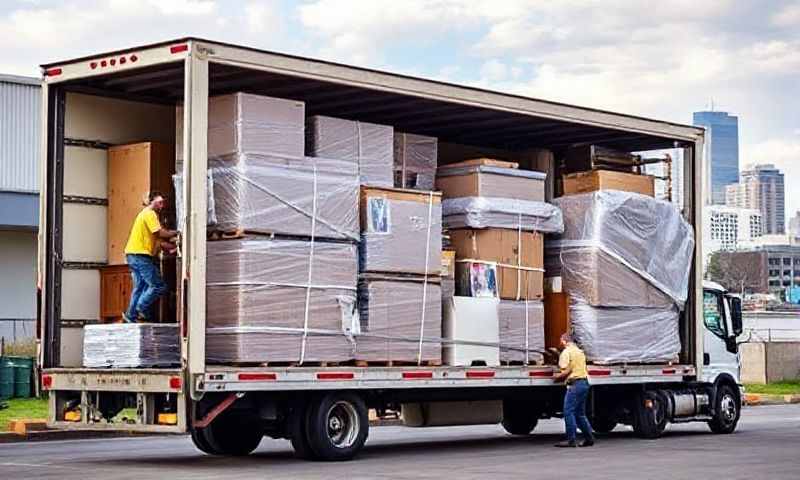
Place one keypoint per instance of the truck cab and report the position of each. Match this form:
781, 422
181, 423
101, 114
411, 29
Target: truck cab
722, 321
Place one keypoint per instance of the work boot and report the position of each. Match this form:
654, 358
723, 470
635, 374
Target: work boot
566, 444
587, 443
125, 319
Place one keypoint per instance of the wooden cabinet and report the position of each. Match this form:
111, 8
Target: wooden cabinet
556, 318
133, 171
115, 292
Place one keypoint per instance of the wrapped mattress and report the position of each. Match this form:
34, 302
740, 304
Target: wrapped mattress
488, 212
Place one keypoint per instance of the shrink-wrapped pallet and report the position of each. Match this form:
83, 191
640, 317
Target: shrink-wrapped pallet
415, 161
490, 181
612, 236
131, 345
610, 335
401, 231
401, 319
280, 300
521, 330
367, 145
490, 212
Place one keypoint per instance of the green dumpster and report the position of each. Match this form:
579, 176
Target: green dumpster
6, 378
23, 368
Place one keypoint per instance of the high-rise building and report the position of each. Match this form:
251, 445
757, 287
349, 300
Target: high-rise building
794, 227
761, 187
722, 152
729, 228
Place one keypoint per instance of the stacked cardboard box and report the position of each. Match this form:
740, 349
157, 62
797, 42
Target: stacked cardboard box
400, 298
624, 259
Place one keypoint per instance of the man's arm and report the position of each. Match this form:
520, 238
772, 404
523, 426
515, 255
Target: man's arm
166, 233
562, 375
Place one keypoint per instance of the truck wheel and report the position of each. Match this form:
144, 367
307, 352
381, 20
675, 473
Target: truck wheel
603, 424
727, 410
233, 433
337, 426
296, 427
519, 418
200, 442
650, 415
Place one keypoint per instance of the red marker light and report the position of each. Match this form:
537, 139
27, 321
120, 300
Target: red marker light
52, 72
122, 60
113, 61
93, 65
175, 383
103, 63
134, 58
47, 381
178, 48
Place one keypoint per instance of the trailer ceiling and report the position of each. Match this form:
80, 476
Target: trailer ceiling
449, 121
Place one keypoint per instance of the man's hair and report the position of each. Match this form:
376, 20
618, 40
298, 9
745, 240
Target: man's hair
566, 337
155, 193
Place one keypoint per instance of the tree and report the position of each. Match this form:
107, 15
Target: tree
738, 270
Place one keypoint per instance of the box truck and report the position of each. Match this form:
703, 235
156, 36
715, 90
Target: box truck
96, 102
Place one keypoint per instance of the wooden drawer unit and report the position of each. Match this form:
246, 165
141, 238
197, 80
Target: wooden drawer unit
115, 292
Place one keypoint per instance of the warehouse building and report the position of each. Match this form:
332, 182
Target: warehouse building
20, 106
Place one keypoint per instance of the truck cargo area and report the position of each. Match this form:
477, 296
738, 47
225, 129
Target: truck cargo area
127, 100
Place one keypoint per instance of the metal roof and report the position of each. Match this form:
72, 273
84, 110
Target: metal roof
20, 111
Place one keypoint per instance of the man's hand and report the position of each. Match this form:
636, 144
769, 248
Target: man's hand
167, 233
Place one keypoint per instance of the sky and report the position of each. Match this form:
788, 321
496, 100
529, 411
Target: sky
661, 60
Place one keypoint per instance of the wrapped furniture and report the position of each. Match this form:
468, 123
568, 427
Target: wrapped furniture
131, 345
415, 160
490, 212
521, 331
471, 329
367, 145
490, 181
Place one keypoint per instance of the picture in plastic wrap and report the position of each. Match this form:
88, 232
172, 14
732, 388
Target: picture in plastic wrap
395, 314
272, 300
402, 231
648, 236
611, 335
415, 161
287, 196
476, 279
488, 212
131, 345
367, 145
248, 123
521, 330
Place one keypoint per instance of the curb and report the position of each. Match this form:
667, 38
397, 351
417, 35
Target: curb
50, 435
754, 399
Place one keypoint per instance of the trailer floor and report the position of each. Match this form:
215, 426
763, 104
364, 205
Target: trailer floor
765, 446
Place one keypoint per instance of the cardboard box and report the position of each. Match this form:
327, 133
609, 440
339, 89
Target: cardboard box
481, 161
448, 264
415, 159
490, 181
521, 331
595, 180
519, 258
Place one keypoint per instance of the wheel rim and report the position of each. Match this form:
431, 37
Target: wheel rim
727, 409
343, 424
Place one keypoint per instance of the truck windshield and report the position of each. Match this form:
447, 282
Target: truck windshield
712, 313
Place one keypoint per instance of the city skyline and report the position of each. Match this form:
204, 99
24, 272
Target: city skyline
722, 151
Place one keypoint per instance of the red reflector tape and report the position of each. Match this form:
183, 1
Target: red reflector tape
541, 373
175, 383
668, 371
257, 376
417, 375
480, 374
47, 381
600, 373
52, 72
178, 48
335, 376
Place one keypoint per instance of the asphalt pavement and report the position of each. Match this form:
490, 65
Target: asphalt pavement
766, 445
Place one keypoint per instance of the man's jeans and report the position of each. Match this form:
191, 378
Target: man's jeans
575, 410
147, 286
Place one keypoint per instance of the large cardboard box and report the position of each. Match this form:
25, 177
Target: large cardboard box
519, 257
491, 181
401, 231
595, 180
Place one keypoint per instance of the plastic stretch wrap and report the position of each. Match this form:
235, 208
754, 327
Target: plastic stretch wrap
367, 145
626, 335
415, 161
401, 320
280, 195
490, 181
402, 232
131, 345
211, 214
277, 300
487, 212
521, 330
647, 236
247, 123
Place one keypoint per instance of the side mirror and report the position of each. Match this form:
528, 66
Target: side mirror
736, 314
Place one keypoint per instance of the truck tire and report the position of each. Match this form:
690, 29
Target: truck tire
200, 442
727, 409
337, 426
603, 424
519, 418
650, 415
233, 433
296, 428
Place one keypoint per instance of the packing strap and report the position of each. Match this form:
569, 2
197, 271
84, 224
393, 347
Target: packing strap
425, 278
310, 266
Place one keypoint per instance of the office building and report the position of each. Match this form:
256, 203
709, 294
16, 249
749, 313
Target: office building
794, 228
721, 152
761, 187
728, 228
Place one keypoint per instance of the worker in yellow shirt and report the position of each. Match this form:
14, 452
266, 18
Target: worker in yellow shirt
572, 365
141, 254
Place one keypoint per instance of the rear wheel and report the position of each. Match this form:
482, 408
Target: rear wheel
200, 442
727, 409
650, 415
233, 433
519, 418
296, 427
337, 426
